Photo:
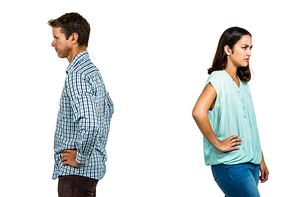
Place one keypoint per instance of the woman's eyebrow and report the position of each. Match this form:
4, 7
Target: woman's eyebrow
246, 45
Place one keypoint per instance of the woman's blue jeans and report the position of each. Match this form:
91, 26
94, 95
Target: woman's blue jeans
237, 180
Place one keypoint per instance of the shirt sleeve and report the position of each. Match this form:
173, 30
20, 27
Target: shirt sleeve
84, 104
216, 82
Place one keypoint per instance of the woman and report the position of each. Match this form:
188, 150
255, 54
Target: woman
225, 115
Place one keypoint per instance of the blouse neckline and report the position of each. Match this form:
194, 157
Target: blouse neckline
238, 86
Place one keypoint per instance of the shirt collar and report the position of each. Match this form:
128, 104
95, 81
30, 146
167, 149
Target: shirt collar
77, 59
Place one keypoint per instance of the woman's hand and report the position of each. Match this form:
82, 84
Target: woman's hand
229, 144
264, 171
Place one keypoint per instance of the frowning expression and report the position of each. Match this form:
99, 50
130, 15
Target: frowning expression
241, 52
60, 43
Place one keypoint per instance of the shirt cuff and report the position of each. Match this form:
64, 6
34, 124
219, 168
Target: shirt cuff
81, 159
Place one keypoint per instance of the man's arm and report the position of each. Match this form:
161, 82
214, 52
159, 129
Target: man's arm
86, 115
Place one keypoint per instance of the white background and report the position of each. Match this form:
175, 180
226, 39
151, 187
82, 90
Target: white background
154, 57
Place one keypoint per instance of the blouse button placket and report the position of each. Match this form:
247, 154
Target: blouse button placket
245, 116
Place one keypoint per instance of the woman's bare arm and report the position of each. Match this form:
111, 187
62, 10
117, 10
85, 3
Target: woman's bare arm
200, 115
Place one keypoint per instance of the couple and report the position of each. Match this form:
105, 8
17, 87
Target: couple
224, 114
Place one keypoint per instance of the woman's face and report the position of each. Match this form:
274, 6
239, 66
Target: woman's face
241, 52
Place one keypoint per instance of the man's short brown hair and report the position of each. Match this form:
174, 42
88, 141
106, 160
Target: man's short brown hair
73, 23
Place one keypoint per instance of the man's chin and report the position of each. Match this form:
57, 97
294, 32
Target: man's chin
61, 55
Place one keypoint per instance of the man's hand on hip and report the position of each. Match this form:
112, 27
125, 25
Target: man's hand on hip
69, 158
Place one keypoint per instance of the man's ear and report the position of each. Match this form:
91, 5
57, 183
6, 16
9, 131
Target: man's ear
74, 38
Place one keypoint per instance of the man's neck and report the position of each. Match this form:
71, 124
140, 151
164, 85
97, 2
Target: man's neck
75, 51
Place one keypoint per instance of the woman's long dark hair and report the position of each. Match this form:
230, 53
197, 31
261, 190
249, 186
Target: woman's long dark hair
230, 37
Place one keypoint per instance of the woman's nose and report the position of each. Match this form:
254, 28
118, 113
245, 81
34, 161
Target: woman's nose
249, 52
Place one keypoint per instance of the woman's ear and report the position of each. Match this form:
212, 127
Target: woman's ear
227, 50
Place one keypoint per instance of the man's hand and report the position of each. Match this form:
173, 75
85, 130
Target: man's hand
69, 158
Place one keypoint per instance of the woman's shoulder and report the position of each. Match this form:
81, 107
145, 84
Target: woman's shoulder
218, 75
219, 80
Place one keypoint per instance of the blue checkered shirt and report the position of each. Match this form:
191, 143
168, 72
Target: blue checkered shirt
83, 120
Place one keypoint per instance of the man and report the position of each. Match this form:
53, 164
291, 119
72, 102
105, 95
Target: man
85, 112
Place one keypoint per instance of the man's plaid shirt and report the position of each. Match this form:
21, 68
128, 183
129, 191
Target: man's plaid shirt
83, 120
